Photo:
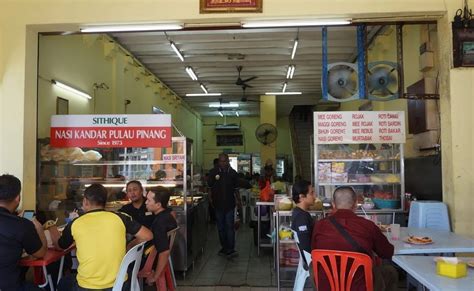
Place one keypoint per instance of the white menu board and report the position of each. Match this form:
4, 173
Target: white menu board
354, 127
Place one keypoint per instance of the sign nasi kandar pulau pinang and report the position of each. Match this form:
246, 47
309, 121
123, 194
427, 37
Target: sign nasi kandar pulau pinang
111, 131
355, 127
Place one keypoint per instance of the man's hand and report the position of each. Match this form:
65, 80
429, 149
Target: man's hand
150, 279
39, 229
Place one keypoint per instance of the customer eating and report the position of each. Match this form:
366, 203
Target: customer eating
301, 221
100, 238
345, 231
16, 234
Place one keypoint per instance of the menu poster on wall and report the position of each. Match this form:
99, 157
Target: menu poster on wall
111, 131
355, 127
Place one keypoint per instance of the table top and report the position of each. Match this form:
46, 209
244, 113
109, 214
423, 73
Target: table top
423, 269
50, 257
443, 242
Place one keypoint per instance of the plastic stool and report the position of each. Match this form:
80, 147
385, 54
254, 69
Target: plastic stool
429, 214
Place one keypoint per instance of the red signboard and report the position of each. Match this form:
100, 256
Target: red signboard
209, 6
111, 131
359, 127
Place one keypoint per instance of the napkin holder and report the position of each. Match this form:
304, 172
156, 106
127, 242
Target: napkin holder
451, 268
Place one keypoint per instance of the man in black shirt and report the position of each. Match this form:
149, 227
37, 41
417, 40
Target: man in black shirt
157, 203
16, 234
137, 208
223, 182
301, 221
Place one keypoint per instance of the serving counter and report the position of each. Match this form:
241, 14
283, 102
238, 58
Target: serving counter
190, 241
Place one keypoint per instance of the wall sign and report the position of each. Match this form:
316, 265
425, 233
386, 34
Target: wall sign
354, 127
174, 158
230, 140
111, 130
230, 6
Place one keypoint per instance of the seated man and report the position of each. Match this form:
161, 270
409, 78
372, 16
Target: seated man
366, 238
301, 220
137, 209
100, 238
157, 202
16, 234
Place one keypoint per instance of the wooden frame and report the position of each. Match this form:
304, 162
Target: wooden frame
62, 106
230, 6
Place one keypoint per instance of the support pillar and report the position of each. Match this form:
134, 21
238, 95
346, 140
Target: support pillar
268, 115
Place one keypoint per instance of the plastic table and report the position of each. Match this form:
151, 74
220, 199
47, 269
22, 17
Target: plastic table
50, 257
423, 269
443, 242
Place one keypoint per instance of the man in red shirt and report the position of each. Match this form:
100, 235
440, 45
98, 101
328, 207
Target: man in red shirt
364, 232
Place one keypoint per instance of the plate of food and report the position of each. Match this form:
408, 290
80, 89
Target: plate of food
418, 240
470, 263
384, 227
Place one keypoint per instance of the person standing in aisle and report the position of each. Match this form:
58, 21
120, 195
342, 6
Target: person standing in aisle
223, 182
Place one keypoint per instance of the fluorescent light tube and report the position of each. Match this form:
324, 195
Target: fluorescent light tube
283, 93
71, 89
284, 87
295, 22
176, 50
204, 89
293, 52
144, 185
224, 105
292, 71
191, 73
132, 27
237, 113
221, 114
202, 94
288, 73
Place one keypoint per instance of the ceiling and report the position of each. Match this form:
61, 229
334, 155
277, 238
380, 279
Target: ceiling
215, 54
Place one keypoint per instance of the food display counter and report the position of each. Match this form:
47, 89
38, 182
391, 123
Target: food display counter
64, 173
363, 150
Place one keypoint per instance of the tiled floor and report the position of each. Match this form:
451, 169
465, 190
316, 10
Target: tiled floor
247, 269
248, 272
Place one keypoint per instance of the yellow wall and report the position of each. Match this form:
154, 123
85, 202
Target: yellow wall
81, 61
251, 144
20, 20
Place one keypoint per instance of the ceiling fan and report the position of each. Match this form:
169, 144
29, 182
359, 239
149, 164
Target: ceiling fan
243, 82
245, 99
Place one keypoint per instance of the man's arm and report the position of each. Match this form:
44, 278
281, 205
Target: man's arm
160, 266
134, 228
44, 244
382, 247
142, 235
66, 239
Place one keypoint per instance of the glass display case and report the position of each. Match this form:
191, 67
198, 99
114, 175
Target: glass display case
64, 173
375, 171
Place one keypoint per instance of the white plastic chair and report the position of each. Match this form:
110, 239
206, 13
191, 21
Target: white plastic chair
301, 273
134, 255
429, 214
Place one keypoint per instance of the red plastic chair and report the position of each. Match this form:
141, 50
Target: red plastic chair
339, 276
166, 281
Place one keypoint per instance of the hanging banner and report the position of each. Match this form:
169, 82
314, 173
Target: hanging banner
355, 127
111, 130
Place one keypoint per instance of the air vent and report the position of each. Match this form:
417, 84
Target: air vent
227, 127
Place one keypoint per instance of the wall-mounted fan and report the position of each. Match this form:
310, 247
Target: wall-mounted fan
342, 82
266, 133
383, 80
